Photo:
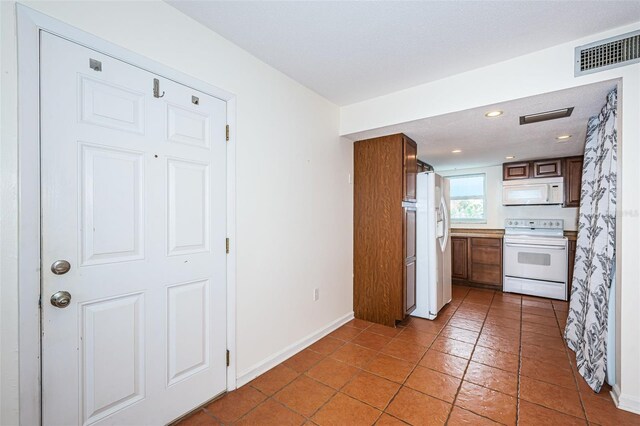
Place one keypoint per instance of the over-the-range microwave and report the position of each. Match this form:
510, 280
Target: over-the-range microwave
533, 191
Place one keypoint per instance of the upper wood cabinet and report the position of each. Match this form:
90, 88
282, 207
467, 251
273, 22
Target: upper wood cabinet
384, 253
547, 168
512, 171
568, 167
410, 155
572, 181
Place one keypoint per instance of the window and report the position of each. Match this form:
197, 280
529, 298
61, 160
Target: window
467, 195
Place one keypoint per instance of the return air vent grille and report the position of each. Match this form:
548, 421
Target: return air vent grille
606, 54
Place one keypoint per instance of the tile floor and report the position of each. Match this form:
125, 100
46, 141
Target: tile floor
489, 358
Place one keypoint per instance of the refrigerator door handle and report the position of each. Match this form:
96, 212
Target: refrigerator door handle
445, 220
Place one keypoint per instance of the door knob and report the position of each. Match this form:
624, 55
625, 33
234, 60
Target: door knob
61, 299
60, 267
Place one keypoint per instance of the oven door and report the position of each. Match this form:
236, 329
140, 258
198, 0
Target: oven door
538, 259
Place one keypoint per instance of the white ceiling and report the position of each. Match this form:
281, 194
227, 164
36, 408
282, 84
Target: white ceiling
486, 142
349, 51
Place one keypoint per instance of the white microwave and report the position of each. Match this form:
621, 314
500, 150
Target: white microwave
533, 191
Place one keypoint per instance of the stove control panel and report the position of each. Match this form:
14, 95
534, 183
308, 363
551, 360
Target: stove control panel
534, 223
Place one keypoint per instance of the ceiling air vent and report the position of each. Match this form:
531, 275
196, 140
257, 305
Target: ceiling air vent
546, 116
609, 53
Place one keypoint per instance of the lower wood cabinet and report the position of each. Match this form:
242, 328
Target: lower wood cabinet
459, 249
477, 261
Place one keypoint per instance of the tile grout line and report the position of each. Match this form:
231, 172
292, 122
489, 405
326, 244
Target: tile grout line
300, 374
403, 384
519, 364
455, 398
573, 373
439, 334
418, 363
544, 347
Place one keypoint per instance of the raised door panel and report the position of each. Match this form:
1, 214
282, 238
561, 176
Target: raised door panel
188, 127
513, 171
572, 181
188, 330
410, 232
547, 168
459, 258
109, 105
188, 207
410, 150
485, 261
112, 204
486, 274
410, 286
112, 367
409, 290
485, 255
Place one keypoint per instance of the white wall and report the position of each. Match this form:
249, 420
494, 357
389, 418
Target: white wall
294, 201
496, 213
8, 218
536, 73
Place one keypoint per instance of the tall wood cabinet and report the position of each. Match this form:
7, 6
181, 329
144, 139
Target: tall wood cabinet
384, 265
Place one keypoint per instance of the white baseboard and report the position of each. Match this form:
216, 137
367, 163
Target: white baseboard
625, 402
289, 351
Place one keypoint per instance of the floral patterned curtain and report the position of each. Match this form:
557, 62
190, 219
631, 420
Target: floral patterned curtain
586, 330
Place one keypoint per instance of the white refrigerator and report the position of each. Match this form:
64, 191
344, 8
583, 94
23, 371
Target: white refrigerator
433, 248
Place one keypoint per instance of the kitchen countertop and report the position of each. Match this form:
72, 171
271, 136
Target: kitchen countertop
495, 233
481, 233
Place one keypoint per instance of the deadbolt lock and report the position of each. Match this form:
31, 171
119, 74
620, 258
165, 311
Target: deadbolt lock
60, 267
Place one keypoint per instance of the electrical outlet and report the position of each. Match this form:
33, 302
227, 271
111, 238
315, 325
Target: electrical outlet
316, 294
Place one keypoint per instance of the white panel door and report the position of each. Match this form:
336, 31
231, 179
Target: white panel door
133, 197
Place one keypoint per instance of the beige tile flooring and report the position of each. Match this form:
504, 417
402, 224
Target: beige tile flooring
489, 358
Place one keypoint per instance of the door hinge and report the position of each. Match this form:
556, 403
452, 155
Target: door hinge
227, 132
227, 245
228, 357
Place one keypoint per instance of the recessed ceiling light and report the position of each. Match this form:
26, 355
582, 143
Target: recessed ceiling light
563, 137
509, 157
456, 151
492, 114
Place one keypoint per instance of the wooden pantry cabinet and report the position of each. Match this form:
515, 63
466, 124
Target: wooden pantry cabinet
477, 261
384, 215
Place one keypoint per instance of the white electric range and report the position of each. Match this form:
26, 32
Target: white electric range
535, 257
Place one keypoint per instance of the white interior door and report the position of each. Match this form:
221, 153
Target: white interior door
133, 198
